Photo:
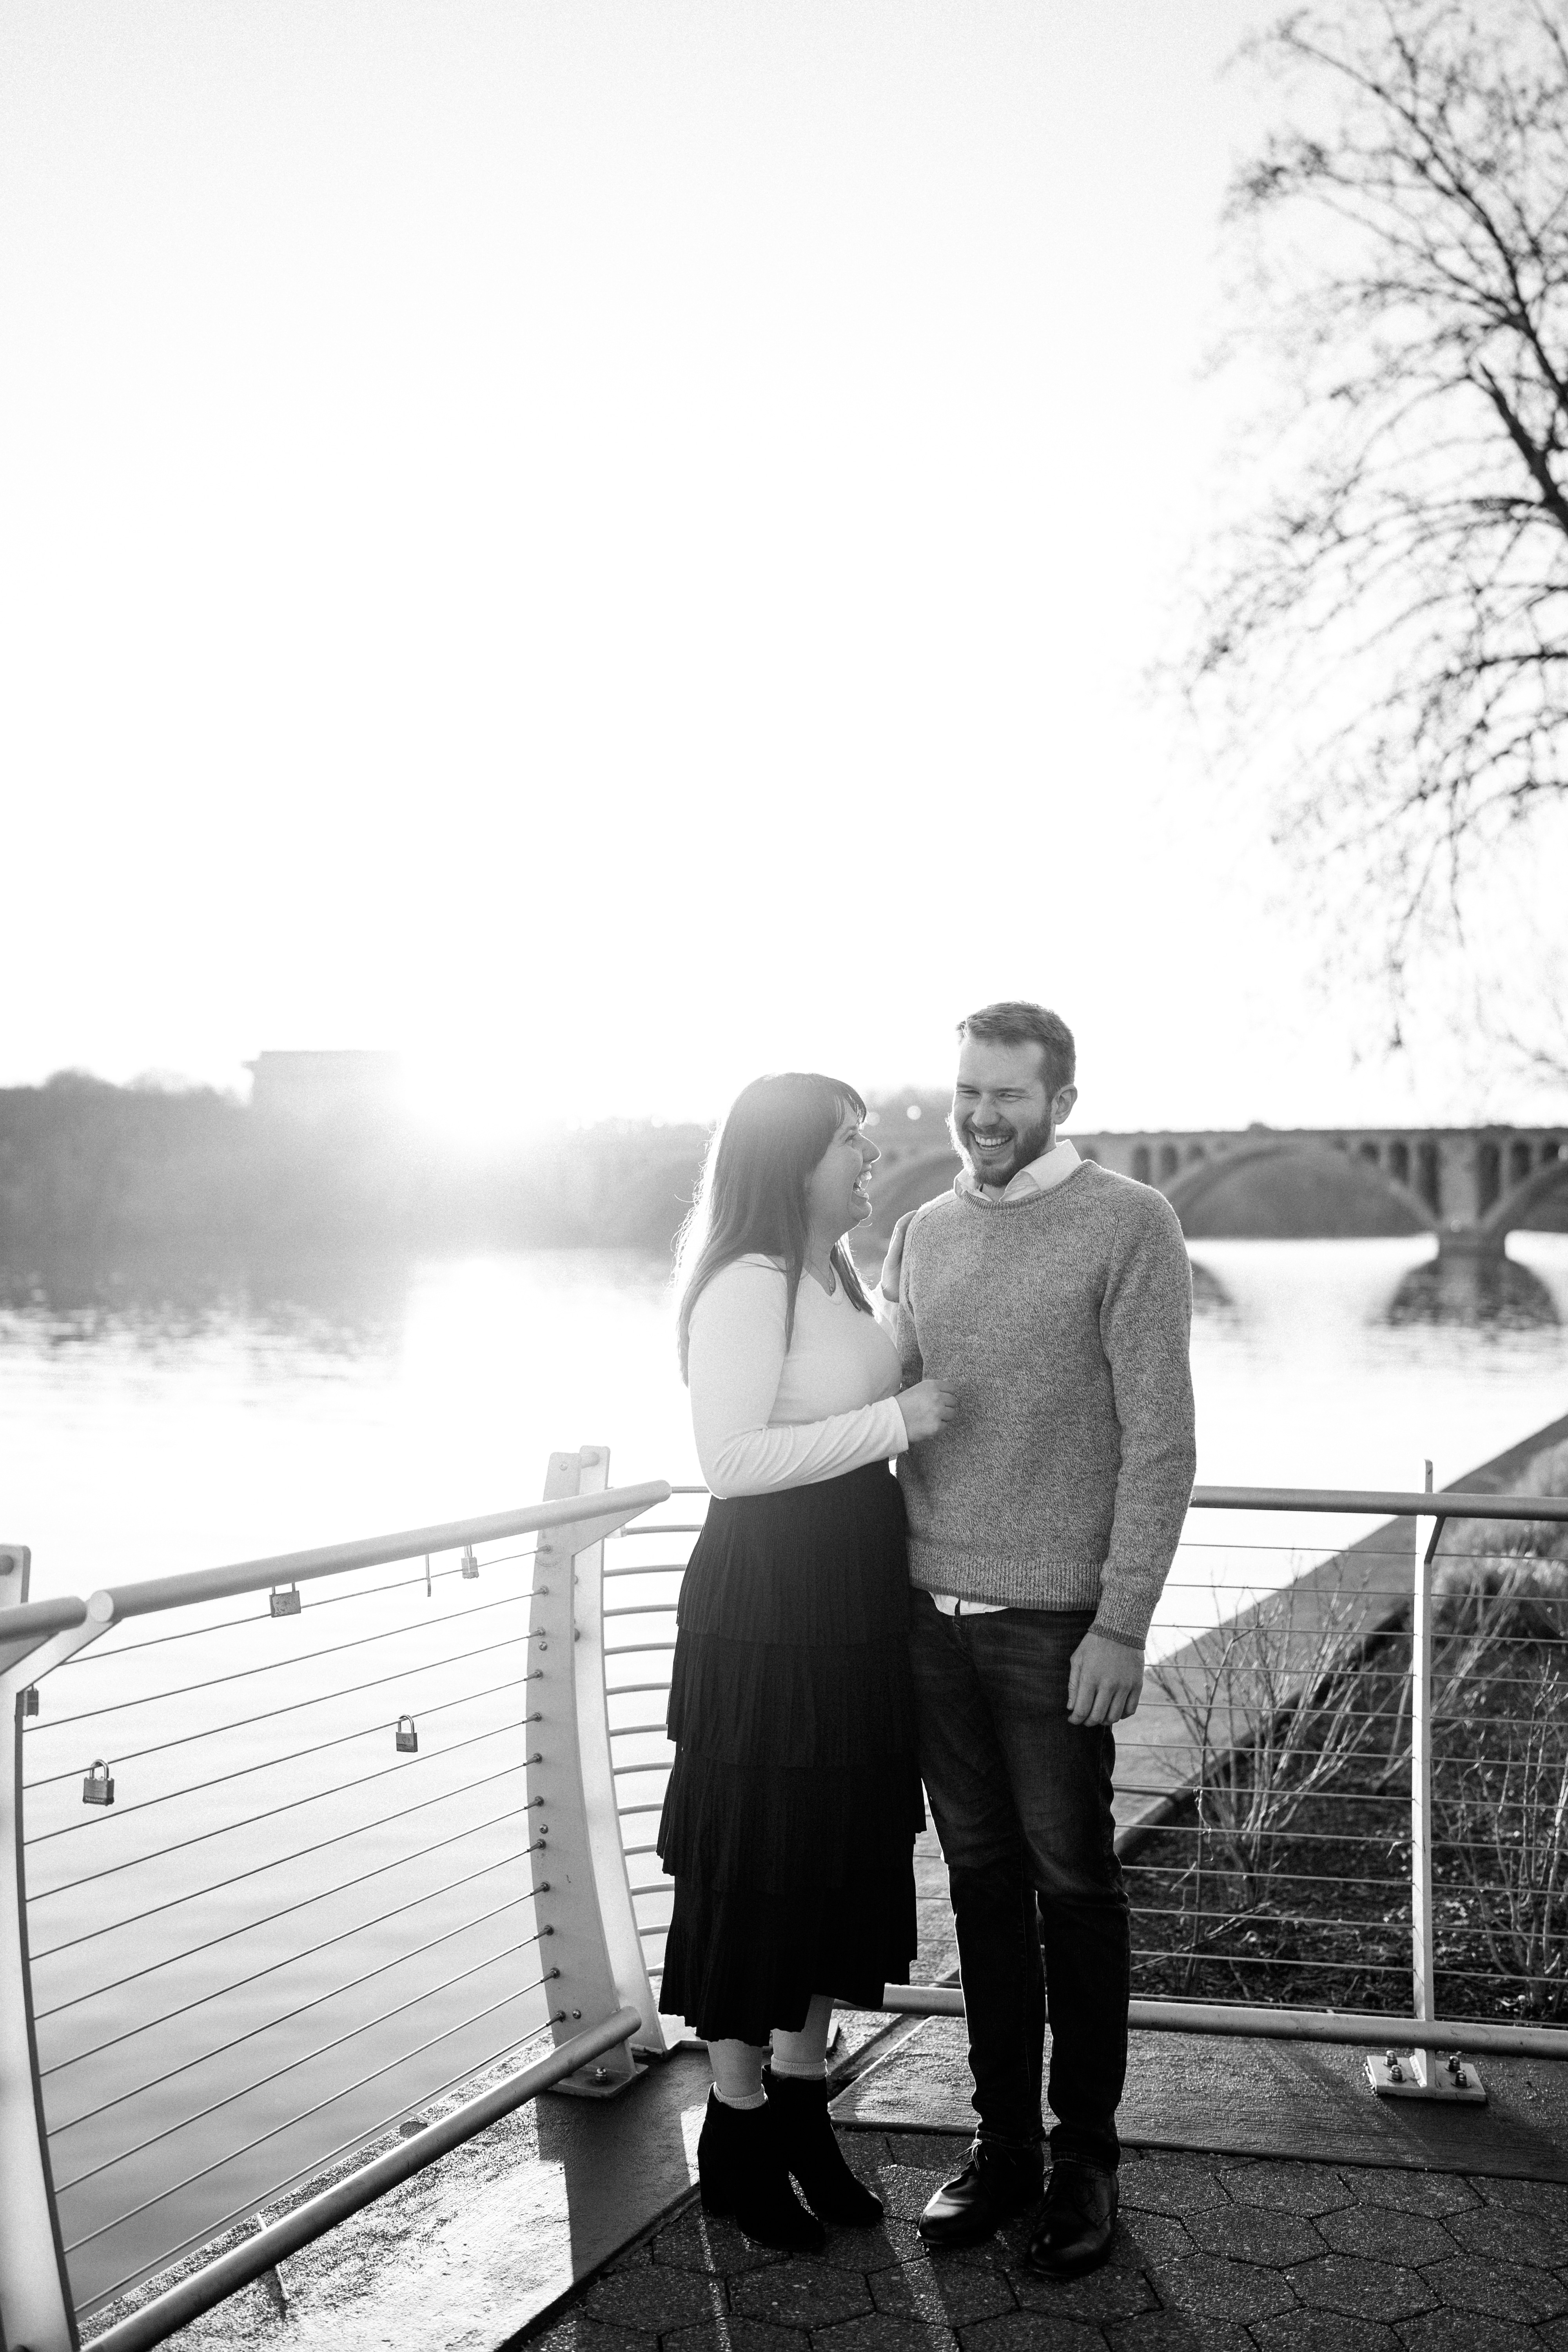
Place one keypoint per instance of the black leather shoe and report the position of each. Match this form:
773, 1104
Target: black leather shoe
991, 2189
1078, 2222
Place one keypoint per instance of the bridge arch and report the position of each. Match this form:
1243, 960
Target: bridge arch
1194, 1182
1518, 1201
1411, 1172
919, 1176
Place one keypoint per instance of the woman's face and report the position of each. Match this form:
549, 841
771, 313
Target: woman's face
836, 1198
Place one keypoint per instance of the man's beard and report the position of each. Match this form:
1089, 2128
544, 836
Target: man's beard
1028, 1142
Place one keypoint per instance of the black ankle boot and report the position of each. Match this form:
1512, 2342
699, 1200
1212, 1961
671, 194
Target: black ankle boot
741, 2169
813, 2154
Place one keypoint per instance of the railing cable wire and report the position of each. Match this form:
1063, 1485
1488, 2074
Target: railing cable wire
286, 2016
309, 2058
284, 1861
292, 1707
298, 1756
250, 1926
348, 2091
300, 1658
288, 1805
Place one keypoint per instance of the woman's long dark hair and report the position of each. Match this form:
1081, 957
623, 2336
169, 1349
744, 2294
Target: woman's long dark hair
751, 1199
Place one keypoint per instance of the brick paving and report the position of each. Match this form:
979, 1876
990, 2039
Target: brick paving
1215, 2254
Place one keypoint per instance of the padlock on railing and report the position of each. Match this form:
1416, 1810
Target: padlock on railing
285, 1605
407, 1737
30, 1699
97, 1788
470, 1565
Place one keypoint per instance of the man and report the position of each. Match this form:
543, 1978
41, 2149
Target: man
1055, 1299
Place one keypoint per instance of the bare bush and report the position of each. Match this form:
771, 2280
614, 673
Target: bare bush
1499, 1783
1279, 1709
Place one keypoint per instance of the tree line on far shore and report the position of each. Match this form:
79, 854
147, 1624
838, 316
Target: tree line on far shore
101, 1173
91, 1166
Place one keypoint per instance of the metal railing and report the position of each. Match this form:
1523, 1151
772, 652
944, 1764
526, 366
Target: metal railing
287, 1877
1245, 1654
311, 1851
1330, 1741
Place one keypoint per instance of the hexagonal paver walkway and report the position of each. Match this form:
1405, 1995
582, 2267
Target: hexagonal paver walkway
1215, 2254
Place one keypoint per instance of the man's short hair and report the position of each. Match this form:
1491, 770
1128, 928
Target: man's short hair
1018, 1024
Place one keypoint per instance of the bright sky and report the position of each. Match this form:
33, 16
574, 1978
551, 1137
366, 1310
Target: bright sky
612, 545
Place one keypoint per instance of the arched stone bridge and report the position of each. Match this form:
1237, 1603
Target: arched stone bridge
1470, 1186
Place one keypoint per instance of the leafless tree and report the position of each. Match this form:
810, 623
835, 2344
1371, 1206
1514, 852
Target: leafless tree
1392, 609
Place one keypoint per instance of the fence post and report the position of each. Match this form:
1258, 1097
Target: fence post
34, 2292
584, 1895
1423, 2073
1423, 2062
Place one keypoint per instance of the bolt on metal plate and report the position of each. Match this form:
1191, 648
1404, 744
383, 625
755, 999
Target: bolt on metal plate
1426, 2074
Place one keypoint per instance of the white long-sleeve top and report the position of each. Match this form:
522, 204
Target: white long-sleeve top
765, 1418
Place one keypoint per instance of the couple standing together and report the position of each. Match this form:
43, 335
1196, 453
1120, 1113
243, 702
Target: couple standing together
976, 1622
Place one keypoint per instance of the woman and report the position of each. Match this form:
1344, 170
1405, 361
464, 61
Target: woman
794, 1798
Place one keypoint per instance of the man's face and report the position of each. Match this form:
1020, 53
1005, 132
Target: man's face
1002, 1115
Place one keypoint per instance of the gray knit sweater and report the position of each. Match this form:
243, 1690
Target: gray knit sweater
1062, 1321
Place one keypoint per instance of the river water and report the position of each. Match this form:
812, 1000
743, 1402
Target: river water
288, 1932
144, 1434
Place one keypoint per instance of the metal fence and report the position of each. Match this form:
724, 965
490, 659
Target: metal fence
286, 1839
1346, 1786
1359, 1785
643, 1587
308, 1847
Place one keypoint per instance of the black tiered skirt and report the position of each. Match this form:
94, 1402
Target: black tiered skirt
794, 1799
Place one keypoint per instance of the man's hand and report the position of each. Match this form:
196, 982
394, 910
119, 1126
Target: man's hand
1104, 1680
888, 1280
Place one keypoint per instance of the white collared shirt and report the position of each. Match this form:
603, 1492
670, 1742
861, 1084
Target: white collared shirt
1042, 1175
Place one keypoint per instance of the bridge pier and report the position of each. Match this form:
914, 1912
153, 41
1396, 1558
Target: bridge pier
1470, 1244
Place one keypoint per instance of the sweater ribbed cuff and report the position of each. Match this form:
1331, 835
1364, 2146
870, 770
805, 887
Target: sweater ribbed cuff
1125, 1605
1122, 1641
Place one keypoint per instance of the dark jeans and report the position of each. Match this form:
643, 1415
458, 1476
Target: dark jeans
1021, 1798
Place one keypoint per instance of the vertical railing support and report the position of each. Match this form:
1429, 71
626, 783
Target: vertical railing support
1422, 2004
34, 2292
1423, 2073
584, 1895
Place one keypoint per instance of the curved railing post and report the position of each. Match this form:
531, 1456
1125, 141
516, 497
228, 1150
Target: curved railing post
34, 2292
583, 1895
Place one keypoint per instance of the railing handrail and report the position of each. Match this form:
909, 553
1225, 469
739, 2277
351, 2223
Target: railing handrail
157, 1592
1349, 1502
1357, 2029
1353, 1502
154, 1594
42, 1617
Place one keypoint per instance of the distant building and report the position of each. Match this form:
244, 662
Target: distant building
324, 1086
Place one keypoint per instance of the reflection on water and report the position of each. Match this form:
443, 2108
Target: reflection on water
161, 1414
1474, 1290
354, 1300
1210, 1296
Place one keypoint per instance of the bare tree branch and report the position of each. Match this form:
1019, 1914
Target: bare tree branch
1392, 609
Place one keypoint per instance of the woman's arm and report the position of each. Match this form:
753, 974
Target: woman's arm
735, 1363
